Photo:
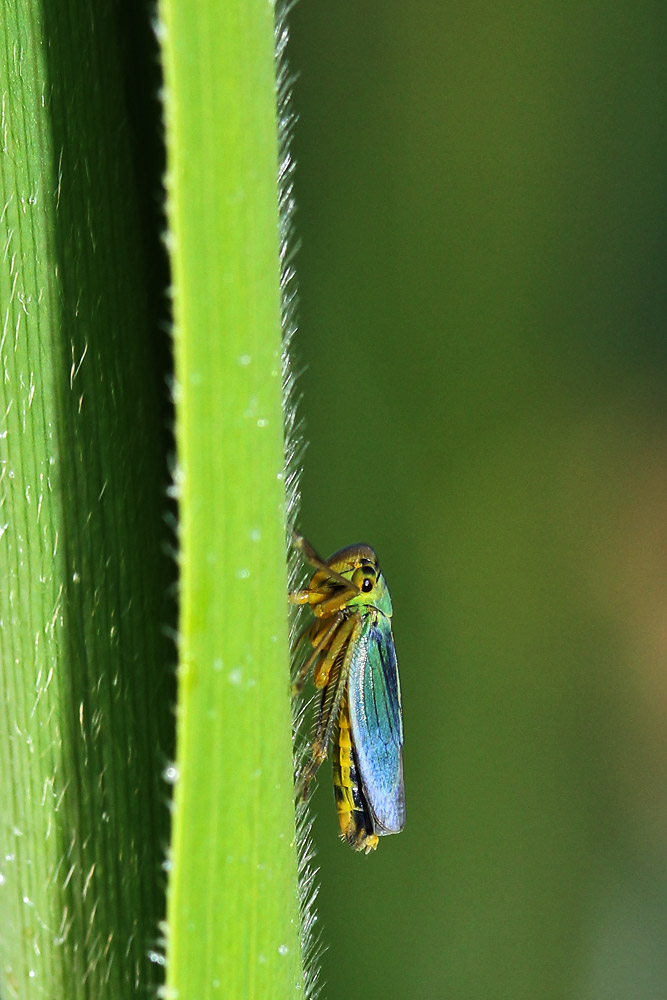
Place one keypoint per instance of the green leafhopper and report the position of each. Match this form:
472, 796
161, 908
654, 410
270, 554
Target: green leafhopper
354, 665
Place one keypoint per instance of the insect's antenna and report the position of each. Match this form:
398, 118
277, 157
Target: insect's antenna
311, 556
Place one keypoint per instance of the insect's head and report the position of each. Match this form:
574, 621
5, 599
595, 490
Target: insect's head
359, 564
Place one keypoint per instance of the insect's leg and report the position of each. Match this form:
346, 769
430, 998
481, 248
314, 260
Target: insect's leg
328, 604
303, 634
328, 590
307, 550
320, 754
320, 645
324, 668
302, 597
325, 602
319, 748
311, 556
327, 718
341, 683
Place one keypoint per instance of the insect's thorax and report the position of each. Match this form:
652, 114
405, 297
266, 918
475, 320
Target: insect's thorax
368, 612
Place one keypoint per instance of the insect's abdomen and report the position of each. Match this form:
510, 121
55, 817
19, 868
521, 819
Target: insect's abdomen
353, 814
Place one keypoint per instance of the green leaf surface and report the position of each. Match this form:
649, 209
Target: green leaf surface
233, 923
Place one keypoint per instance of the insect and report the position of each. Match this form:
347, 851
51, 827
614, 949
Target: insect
354, 665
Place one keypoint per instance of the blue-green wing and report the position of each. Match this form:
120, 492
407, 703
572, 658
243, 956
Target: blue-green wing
374, 696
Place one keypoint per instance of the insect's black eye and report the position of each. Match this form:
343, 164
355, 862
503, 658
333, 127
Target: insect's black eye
364, 578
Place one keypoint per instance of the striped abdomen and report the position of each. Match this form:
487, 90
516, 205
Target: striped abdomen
353, 814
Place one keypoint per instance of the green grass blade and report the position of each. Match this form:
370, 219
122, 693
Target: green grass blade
232, 927
81, 472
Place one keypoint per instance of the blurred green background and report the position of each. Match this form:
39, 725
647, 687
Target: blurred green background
482, 194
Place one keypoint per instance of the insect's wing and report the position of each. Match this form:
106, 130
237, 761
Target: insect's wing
374, 695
